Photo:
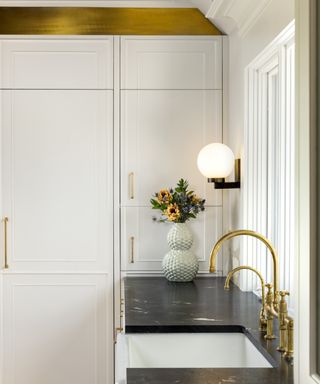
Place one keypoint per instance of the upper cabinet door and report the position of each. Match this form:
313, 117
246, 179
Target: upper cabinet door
162, 133
171, 63
57, 179
57, 64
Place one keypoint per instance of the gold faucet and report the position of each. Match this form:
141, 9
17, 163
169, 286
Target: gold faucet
245, 232
271, 306
262, 316
286, 323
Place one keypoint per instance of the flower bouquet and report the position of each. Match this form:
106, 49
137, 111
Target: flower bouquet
179, 205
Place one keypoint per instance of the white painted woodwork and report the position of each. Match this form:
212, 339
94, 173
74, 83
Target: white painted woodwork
57, 64
150, 238
58, 124
117, 280
171, 62
162, 133
57, 328
306, 369
240, 16
268, 188
242, 50
57, 179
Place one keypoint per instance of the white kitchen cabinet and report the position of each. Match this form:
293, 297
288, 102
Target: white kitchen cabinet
144, 241
172, 62
161, 135
171, 106
57, 64
64, 129
57, 329
57, 179
57, 191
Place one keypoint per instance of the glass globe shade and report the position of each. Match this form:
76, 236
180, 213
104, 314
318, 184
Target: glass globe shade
215, 161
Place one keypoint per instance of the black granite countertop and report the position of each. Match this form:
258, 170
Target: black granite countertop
154, 305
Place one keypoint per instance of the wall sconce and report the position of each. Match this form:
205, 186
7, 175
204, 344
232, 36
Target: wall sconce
216, 161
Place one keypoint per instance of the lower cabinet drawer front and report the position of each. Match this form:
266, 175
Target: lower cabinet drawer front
144, 240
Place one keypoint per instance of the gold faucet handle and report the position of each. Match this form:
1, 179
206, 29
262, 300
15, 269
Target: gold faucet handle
269, 295
283, 306
269, 287
283, 294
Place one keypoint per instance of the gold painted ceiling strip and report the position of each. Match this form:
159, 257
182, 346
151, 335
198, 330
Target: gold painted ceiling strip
104, 21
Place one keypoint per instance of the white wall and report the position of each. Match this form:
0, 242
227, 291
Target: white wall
242, 50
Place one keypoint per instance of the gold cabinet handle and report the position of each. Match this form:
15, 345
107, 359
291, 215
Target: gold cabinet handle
131, 185
131, 249
5, 222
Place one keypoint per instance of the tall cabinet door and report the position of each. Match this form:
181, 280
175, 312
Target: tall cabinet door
57, 179
57, 195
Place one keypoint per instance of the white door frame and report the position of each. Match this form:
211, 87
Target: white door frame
305, 333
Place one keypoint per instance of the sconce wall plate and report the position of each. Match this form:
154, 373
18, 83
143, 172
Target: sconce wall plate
222, 184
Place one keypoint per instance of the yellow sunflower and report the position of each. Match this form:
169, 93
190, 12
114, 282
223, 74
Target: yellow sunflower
172, 212
164, 196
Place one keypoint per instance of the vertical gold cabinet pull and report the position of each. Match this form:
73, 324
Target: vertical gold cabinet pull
131, 185
5, 222
131, 249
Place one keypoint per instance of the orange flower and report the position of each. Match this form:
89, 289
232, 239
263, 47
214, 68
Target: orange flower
172, 212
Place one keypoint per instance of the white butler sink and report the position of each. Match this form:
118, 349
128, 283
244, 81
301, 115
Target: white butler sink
192, 350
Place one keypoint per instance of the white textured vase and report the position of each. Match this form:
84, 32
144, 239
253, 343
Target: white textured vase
180, 264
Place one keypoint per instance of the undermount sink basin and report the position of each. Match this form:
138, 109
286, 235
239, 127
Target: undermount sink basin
192, 350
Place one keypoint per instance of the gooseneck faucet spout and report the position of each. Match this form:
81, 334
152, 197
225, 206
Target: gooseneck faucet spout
263, 323
245, 232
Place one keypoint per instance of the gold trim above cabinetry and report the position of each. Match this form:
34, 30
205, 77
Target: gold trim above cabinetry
104, 21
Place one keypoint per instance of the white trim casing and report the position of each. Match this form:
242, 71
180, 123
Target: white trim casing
268, 207
306, 230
